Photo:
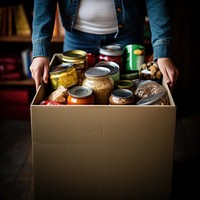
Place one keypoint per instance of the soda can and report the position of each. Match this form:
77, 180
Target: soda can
134, 57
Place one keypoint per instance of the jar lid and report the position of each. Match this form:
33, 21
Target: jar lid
74, 55
123, 93
60, 68
124, 84
112, 66
151, 99
80, 91
97, 72
112, 50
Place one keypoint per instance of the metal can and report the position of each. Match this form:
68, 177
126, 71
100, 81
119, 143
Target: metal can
101, 82
113, 67
121, 97
78, 58
112, 52
63, 74
80, 95
134, 57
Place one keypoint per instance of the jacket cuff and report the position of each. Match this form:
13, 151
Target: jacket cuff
40, 48
162, 49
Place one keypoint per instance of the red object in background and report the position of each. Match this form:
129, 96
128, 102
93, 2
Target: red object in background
49, 103
92, 59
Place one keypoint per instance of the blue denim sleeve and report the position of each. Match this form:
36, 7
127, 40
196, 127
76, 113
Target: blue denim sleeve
160, 24
42, 25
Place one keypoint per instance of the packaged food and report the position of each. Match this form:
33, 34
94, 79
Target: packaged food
112, 52
80, 95
101, 82
63, 75
121, 97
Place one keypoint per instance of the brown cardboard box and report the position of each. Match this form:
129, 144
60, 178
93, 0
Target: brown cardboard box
102, 152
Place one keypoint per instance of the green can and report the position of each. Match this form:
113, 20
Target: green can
134, 57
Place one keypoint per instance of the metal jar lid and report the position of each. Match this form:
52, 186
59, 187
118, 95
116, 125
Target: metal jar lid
74, 55
112, 50
60, 68
122, 93
80, 91
112, 66
97, 72
151, 99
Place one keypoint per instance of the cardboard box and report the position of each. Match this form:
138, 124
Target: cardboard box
101, 151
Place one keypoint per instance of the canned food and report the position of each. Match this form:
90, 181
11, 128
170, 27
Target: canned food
101, 82
63, 74
113, 67
112, 52
78, 58
121, 97
134, 57
79, 95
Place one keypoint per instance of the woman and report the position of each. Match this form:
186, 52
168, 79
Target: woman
90, 24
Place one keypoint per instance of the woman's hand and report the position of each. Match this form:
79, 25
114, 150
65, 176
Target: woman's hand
169, 71
39, 70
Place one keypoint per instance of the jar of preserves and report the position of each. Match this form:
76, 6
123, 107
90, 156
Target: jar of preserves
80, 95
78, 58
101, 82
63, 74
121, 97
112, 52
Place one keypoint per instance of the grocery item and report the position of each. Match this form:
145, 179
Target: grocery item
101, 82
121, 97
80, 95
63, 75
134, 57
112, 52
150, 71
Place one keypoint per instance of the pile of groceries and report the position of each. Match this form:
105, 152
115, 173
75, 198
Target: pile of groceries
117, 76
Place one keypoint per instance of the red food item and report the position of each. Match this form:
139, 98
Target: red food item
49, 103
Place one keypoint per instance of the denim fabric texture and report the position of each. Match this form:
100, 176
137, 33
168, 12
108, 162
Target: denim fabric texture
130, 17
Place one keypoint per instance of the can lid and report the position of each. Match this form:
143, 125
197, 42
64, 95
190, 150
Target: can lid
74, 55
123, 93
80, 91
97, 72
60, 68
112, 66
124, 84
112, 50
151, 99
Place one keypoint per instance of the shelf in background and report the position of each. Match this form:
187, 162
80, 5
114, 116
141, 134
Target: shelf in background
25, 82
26, 38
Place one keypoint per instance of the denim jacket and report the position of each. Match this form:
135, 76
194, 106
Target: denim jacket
130, 15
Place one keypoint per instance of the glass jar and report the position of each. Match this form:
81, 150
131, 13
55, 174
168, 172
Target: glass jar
78, 58
63, 74
80, 95
112, 52
101, 82
113, 67
121, 97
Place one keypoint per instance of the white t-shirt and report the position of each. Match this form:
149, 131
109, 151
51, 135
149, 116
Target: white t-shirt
97, 17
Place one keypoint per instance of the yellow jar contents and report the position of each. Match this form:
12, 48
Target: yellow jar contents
101, 82
64, 74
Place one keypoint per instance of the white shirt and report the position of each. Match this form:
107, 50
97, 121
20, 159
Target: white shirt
97, 17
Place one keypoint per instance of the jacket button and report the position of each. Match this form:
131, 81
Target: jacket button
121, 26
119, 10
